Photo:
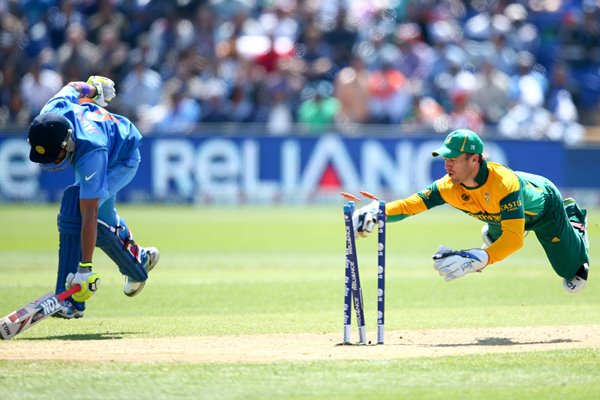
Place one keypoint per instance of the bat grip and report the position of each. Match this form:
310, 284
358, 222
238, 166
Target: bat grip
67, 293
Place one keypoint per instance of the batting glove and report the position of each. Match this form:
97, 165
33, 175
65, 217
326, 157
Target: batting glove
453, 264
88, 281
365, 218
105, 89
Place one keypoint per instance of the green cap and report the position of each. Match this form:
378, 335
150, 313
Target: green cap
458, 142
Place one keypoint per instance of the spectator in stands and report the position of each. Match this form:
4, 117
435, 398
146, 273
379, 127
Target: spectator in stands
240, 24
107, 16
561, 100
178, 113
560, 79
269, 59
113, 53
14, 113
214, 107
204, 32
341, 38
193, 72
527, 118
445, 37
240, 108
427, 115
491, 92
38, 86
416, 56
465, 113
277, 20
390, 98
141, 89
280, 118
591, 32
317, 55
143, 51
580, 37
60, 18
564, 124
377, 51
522, 35
499, 54
445, 70
528, 86
320, 109
168, 35
211, 90
33, 11
352, 91
77, 56
13, 65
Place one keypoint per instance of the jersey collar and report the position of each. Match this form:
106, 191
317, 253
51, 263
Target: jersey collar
481, 176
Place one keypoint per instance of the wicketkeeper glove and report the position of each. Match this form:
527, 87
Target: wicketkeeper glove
89, 282
365, 218
105, 89
453, 264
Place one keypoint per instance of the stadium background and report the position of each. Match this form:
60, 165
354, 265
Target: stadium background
247, 301
289, 101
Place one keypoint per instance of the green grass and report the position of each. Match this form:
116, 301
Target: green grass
548, 375
229, 271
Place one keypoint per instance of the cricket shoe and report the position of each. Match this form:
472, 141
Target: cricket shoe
68, 311
573, 210
578, 282
132, 287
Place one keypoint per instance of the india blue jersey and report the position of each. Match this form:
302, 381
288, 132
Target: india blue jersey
103, 140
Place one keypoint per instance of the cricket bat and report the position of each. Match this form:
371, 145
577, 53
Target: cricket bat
34, 312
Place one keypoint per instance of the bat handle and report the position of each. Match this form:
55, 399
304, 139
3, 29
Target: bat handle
67, 293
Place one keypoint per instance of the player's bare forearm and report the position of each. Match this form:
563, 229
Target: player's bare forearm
89, 228
85, 89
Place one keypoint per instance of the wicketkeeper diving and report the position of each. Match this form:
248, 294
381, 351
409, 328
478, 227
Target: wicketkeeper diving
510, 203
75, 129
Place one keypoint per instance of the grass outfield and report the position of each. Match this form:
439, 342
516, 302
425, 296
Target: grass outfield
227, 275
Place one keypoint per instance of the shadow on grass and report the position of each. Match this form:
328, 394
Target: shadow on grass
88, 336
494, 341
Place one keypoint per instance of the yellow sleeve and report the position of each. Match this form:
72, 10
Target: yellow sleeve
510, 241
399, 209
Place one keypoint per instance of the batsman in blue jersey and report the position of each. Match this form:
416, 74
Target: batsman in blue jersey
75, 129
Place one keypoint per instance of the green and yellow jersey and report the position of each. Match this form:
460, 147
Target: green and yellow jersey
508, 201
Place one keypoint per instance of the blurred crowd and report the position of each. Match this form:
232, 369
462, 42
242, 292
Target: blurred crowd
528, 69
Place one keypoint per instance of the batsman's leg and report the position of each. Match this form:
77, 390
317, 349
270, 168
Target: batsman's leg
133, 260
116, 239
69, 249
